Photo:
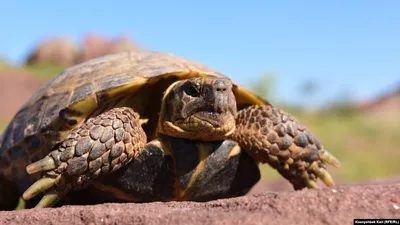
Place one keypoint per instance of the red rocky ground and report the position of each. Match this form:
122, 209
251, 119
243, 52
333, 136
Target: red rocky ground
339, 205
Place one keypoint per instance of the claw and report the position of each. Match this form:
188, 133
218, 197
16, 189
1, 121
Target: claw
44, 164
143, 121
311, 183
330, 159
51, 198
325, 176
38, 187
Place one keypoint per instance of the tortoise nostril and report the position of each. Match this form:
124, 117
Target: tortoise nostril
221, 89
221, 86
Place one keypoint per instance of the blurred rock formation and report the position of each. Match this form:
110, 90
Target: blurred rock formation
60, 51
385, 106
63, 51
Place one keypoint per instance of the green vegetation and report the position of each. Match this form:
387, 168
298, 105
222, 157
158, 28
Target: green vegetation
366, 148
4, 65
44, 71
3, 125
40, 71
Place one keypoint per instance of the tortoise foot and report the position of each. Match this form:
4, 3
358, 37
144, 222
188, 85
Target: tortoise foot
272, 136
99, 146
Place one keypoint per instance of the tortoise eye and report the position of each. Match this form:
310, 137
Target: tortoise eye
192, 91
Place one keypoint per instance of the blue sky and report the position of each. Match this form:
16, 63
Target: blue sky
342, 45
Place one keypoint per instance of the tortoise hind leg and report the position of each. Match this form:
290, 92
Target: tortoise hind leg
272, 136
99, 146
9, 195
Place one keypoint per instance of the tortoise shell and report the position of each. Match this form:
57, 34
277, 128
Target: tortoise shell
134, 79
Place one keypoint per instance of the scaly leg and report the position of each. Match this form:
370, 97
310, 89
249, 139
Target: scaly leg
99, 146
272, 136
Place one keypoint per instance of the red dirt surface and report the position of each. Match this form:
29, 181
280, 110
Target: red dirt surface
280, 185
339, 205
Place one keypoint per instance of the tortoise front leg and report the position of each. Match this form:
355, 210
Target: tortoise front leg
99, 146
272, 136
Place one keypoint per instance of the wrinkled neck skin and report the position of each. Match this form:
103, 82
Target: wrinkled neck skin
198, 109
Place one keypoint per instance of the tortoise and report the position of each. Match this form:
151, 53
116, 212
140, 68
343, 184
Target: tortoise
150, 126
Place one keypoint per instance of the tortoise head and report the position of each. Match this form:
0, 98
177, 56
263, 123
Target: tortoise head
200, 108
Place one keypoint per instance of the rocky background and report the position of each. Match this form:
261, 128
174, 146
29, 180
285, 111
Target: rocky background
49, 57
364, 136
